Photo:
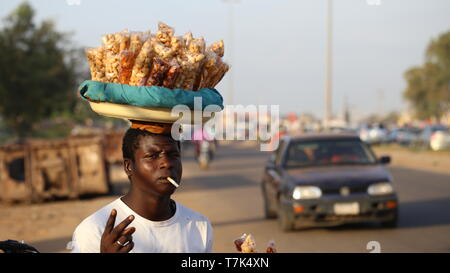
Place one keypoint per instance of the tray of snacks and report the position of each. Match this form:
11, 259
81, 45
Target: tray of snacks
143, 75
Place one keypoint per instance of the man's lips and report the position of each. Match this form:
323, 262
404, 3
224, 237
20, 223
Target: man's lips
163, 179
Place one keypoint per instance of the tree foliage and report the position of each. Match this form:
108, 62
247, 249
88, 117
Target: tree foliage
39, 71
428, 86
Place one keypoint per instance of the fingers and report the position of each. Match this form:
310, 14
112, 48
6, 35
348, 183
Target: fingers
127, 248
127, 242
238, 243
124, 240
120, 227
129, 231
111, 220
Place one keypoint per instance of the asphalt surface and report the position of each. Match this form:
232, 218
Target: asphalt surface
228, 193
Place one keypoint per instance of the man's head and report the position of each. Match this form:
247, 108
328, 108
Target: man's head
150, 158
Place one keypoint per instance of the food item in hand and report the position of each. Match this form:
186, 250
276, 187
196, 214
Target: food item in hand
246, 244
249, 245
271, 247
238, 242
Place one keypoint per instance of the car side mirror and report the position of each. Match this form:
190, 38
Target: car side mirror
384, 160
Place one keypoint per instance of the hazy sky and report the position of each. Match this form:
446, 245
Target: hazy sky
279, 46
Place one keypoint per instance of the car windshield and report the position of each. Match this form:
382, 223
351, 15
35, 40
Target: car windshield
329, 152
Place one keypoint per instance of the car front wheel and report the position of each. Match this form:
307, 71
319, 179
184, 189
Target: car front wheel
268, 213
285, 217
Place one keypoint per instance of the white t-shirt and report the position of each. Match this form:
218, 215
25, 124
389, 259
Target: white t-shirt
185, 232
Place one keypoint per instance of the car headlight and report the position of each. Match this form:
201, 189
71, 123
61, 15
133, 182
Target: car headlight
306, 192
380, 188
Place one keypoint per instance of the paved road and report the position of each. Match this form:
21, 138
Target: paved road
229, 194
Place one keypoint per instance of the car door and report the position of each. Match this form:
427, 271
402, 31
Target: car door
274, 174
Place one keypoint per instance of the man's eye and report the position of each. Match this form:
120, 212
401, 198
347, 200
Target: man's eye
152, 156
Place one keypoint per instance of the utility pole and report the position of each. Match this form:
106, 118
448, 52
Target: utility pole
230, 47
328, 69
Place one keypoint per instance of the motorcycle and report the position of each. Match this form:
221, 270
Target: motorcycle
205, 153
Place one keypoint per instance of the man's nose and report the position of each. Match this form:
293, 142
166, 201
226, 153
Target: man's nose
165, 161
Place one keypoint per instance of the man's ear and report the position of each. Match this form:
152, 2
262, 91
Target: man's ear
127, 166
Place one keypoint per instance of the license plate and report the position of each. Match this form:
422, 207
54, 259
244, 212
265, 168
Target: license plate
346, 208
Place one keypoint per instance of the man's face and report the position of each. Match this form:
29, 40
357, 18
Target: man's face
156, 158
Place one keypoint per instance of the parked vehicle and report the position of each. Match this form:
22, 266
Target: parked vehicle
374, 134
404, 135
440, 140
428, 132
326, 180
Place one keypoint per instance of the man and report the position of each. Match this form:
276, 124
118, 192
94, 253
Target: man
146, 219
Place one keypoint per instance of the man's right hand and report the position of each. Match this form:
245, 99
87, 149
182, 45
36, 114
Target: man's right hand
112, 238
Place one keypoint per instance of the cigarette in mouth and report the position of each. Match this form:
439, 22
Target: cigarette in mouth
173, 182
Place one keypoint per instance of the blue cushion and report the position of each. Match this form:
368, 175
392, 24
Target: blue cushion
147, 96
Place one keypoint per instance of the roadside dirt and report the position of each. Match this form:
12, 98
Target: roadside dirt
423, 160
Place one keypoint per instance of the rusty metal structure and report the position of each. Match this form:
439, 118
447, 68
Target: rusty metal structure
42, 170
113, 146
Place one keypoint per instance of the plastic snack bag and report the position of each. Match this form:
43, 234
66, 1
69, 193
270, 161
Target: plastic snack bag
158, 72
239, 241
217, 47
112, 66
127, 59
164, 33
131, 44
172, 74
163, 51
180, 61
216, 78
249, 245
142, 64
95, 58
271, 247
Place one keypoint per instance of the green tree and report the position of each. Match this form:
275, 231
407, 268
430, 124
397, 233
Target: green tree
428, 86
39, 71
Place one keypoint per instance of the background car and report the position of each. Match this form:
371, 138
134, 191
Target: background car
404, 135
326, 180
428, 132
374, 134
440, 140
